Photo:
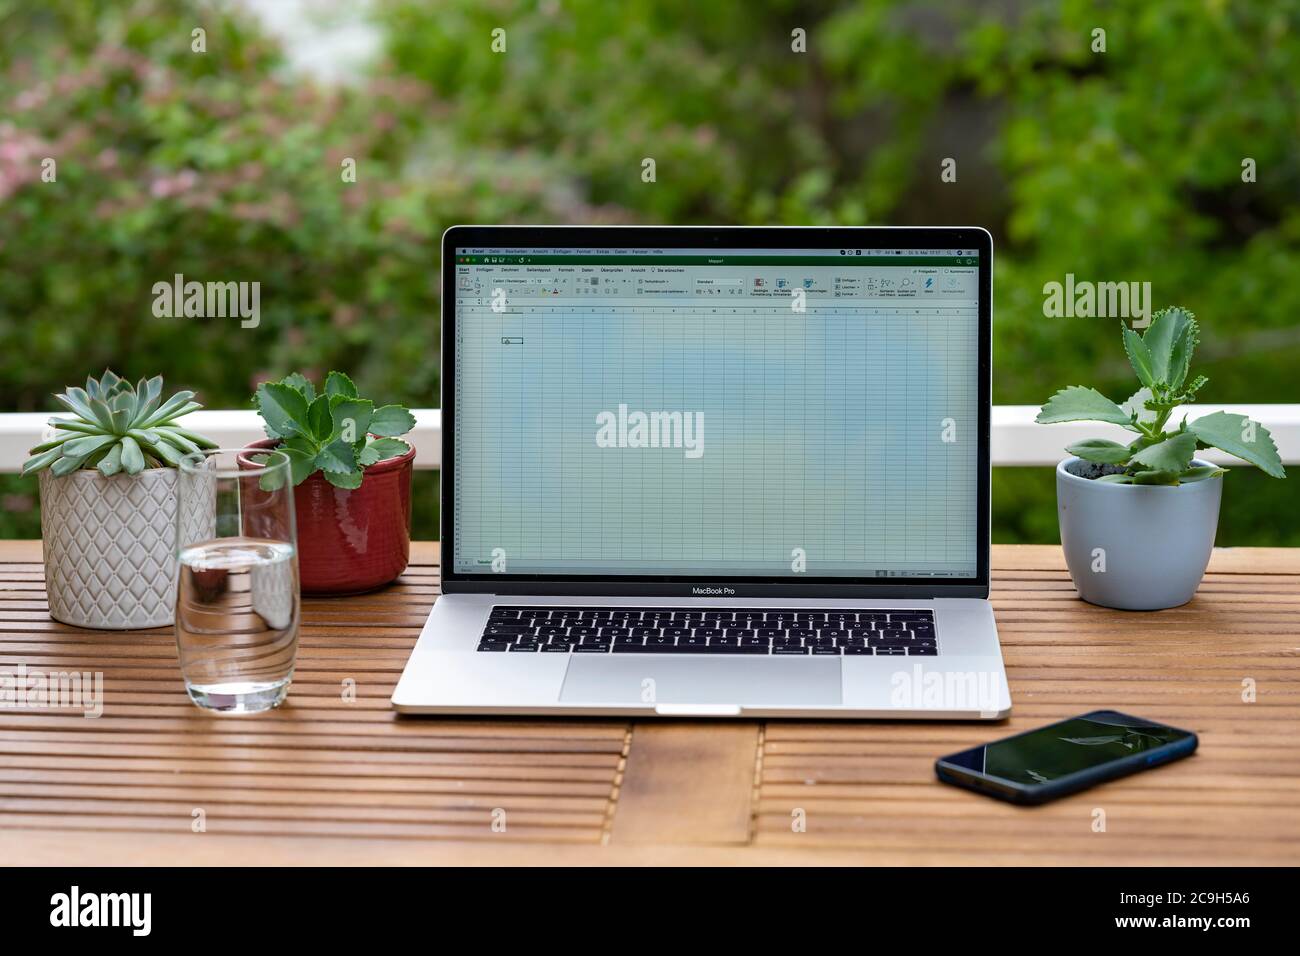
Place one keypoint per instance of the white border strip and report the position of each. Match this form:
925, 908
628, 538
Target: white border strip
1017, 440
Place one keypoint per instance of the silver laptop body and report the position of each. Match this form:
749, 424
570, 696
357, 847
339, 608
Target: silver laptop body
714, 472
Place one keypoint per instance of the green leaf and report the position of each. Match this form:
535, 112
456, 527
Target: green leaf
65, 466
345, 479
352, 417
78, 402
178, 404
301, 383
1238, 435
283, 409
336, 383
1200, 473
132, 457
81, 447
1116, 479
318, 418
1100, 450
367, 455
147, 393
1073, 404
1135, 405
53, 443
44, 460
1138, 356
164, 451
1166, 328
173, 437
111, 463
1173, 454
1156, 478
302, 461
393, 420
337, 456
388, 447
103, 414
1180, 361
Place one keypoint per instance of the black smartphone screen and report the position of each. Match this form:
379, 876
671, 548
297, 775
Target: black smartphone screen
1070, 747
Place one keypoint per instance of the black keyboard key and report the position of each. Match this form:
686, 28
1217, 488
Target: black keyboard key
789, 649
833, 633
890, 651
893, 626
629, 641
617, 632
923, 651
873, 617
524, 647
657, 616
779, 618
858, 650
555, 648
771, 632
753, 641
842, 617
719, 616
568, 640
801, 632
743, 632
811, 617
656, 641
749, 618
718, 640
625, 615
911, 615
549, 631
887, 642
585, 631
493, 646
501, 630
534, 614
677, 632
736, 649
824, 651
688, 641
646, 632
591, 649
709, 632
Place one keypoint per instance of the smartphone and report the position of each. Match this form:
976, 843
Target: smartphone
1052, 761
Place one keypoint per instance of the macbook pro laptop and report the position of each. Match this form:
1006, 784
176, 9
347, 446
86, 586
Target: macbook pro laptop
713, 472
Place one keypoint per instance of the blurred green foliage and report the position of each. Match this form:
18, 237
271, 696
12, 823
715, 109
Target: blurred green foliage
1118, 165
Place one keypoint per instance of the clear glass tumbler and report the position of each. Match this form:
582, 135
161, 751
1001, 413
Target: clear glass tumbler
237, 600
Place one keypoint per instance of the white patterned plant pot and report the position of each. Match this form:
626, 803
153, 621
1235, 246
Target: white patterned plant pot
110, 548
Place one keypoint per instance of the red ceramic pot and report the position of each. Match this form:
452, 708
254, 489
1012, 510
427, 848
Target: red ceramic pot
353, 540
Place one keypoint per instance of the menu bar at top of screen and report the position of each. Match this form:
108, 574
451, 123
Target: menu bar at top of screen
692, 257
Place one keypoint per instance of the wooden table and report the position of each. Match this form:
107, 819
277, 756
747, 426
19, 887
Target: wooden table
328, 780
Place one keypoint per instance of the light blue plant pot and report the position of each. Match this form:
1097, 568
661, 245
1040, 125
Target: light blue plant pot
1136, 547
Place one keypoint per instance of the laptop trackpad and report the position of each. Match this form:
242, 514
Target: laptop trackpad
753, 681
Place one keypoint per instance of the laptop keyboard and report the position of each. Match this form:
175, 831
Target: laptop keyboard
658, 630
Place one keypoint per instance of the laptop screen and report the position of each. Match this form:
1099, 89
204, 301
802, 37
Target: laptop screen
705, 413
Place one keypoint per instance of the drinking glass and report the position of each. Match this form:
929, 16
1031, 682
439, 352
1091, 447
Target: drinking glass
237, 600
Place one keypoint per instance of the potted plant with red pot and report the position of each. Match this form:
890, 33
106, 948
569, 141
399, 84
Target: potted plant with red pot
353, 480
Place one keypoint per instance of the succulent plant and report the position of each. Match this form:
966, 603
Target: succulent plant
1161, 358
118, 427
334, 432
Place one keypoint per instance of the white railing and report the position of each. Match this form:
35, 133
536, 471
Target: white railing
1017, 439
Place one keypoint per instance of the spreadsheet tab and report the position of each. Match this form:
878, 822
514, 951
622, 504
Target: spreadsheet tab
715, 413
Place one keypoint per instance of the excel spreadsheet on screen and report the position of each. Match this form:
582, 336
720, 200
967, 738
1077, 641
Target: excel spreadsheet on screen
719, 412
